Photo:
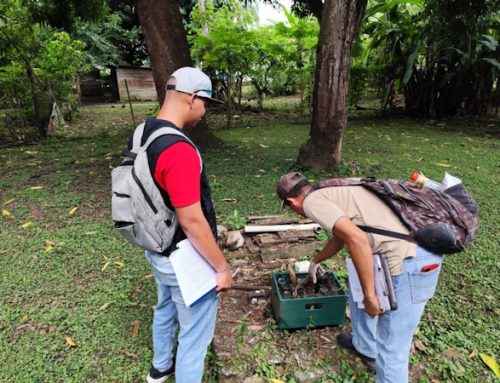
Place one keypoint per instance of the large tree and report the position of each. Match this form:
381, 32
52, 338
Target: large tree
339, 25
168, 50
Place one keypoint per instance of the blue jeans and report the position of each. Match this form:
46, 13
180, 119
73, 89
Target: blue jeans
388, 337
197, 325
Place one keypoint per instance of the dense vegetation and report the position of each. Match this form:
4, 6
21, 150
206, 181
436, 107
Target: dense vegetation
435, 58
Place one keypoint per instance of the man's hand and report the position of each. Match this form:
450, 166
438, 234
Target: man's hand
315, 269
372, 306
224, 280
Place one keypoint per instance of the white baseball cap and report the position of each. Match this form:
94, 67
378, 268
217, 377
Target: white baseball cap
192, 80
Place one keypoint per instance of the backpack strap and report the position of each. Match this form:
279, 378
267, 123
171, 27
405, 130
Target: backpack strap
138, 132
137, 137
387, 233
168, 130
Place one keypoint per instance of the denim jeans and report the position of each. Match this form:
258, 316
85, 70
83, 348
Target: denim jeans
197, 325
388, 337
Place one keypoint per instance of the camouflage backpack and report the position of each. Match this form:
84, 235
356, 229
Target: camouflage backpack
441, 222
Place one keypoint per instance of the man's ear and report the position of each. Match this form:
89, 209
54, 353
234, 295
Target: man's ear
293, 202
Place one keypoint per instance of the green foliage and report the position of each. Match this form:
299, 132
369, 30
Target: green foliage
278, 59
223, 42
299, 54
64, 14
235, 221
45, 61
108, 42
440, 54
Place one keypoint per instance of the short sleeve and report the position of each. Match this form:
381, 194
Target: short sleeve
178, 173
323, 211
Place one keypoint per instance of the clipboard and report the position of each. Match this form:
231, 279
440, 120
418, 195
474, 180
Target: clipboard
380, 284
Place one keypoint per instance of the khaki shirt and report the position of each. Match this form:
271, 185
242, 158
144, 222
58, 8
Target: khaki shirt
325, 206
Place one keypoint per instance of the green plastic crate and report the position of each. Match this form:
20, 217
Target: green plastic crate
294, 313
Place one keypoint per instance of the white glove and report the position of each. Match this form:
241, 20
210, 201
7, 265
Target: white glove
315, 269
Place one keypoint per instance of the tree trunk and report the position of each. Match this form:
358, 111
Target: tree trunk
37, 105
168, 50
229, 99
339, 25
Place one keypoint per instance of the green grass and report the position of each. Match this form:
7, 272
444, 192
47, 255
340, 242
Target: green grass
92, 286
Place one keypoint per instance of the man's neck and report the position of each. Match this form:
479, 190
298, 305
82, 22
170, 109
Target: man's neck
172, 117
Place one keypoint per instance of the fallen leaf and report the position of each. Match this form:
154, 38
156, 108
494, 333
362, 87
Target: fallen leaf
49, 248
104, 306
119, 264
6, 213
263, 146
72, 211
135, 328
276, 381
420, 346
69, 341
443, 165
10, 201
228, 199
105, 266
36, 187
26, 225
491, 363
255, 327
129, 354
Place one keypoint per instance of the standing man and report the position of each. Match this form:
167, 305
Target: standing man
381, 338
175, 165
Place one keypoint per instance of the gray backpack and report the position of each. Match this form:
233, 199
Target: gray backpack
138, 209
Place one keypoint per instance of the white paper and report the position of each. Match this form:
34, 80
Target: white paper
380, 286
195, 275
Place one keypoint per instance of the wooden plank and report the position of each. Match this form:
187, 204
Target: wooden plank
302, 234
257, 217
251, 246
279, 241
265, 238
276, 221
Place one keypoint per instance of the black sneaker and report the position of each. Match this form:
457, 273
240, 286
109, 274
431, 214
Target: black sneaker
345, 341
156, 376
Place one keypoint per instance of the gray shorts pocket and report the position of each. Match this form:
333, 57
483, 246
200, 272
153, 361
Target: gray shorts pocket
423, 285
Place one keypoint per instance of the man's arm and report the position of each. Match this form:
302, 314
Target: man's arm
332, 247
362, 257
197, 229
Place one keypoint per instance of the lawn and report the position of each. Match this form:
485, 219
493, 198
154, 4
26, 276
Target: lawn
77, 300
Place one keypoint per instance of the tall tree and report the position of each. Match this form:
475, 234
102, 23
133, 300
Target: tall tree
168, 50
339, 25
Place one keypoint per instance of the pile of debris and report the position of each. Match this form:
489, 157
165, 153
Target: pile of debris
272, 237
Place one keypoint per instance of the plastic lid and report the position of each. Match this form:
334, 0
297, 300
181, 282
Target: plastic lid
414, 176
